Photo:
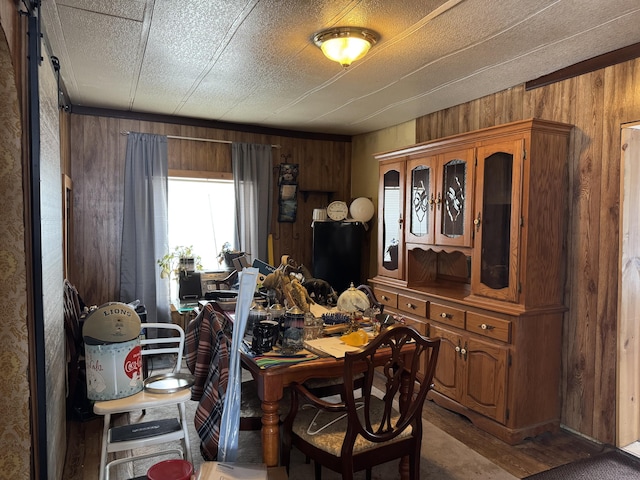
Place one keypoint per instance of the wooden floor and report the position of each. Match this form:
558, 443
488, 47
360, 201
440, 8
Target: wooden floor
532, 456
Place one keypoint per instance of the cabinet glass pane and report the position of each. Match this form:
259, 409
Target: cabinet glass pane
391, 228
496, 220
454, 190
420, 194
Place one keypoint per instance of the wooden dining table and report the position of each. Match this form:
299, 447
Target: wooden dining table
271, 383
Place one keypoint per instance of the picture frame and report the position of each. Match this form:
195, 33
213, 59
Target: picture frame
287, 203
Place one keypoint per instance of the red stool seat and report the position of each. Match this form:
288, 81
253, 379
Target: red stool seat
170, 470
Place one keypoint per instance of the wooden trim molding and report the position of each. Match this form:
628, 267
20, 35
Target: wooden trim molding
197, 122
200, 174
67, 222
596, 63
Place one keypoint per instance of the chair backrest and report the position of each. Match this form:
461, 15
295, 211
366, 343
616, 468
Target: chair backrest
403, 384
170, 340
72, 313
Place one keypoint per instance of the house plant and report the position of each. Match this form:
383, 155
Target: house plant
227, 254
180, 259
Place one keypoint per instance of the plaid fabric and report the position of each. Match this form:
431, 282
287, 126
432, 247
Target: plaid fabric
208, 359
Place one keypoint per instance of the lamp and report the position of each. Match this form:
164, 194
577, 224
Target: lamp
345, 44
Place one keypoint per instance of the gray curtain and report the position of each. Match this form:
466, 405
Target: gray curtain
145, 225
252, 176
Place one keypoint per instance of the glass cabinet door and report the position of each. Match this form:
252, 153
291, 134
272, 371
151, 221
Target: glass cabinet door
454, 199
390, 218
421, 200
494, 265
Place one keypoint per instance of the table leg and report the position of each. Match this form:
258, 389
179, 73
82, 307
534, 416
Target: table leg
403, 468
270, 433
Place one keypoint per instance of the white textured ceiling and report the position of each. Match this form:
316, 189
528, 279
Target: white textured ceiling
253, 61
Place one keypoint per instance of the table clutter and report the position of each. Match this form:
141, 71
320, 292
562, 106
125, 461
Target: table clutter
287, 323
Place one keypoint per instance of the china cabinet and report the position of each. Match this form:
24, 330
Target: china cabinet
485, 272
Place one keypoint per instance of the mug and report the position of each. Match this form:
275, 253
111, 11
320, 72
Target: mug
265, 335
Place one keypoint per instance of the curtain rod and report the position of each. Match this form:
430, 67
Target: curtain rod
197, 139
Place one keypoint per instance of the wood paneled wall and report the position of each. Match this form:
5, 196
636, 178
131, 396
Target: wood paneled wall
597, 103
97, 150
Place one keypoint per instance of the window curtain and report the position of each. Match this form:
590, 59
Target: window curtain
145, 225
252, 176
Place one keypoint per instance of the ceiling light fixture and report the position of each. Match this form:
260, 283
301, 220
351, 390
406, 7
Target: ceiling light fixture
345, 44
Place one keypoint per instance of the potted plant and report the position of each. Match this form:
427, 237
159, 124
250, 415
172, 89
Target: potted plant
227, 254
180, 259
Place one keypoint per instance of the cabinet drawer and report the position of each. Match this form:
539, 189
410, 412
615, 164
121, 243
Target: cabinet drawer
412, 305
489, 326
386, 297
445, 314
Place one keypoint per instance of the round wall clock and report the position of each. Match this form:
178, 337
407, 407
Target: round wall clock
337, 211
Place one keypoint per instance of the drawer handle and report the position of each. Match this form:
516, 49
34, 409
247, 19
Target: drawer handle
385, 298
484, 326
446, 315
411, 306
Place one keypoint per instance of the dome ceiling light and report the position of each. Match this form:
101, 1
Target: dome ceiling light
345, 44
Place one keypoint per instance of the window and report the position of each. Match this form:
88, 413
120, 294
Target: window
202, 214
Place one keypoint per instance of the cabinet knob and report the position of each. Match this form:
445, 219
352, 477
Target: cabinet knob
384, 297
411, 306
484, 326
477, 222
431, 201
446, 315
463, 351
439, 200
458, 349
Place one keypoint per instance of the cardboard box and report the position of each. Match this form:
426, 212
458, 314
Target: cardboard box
240, 471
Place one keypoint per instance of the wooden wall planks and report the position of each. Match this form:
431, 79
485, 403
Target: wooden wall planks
97, 150
597, 103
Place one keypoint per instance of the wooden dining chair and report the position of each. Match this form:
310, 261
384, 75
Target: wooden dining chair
360, 433
76, 369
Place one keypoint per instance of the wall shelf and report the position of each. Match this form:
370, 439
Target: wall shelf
306, 192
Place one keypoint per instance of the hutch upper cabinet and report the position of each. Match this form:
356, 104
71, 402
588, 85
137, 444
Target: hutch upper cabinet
481, 266
497, 220
391, 219
439, 190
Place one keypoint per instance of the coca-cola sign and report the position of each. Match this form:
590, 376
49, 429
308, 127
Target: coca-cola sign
133, 362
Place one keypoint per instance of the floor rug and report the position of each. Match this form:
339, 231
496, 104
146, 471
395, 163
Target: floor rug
612, 465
